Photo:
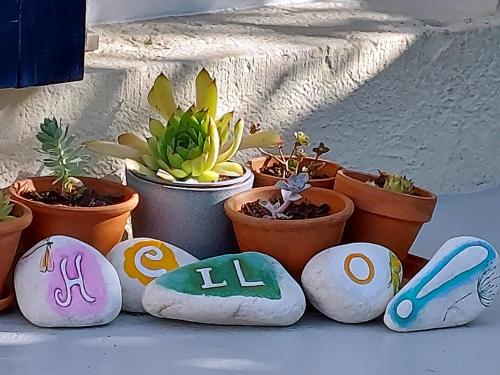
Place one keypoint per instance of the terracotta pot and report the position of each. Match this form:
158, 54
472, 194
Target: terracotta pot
10, 233
261, 179
291, 242
101, 227
383, 217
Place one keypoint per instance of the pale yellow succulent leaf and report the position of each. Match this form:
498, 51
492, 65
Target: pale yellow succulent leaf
160, 97
137, 167
262, 139
208, 176
177, 173
150, 162
132, 140
206, 93
229, 169
236, 142
214, 146
114, 149
164, 175
156, 128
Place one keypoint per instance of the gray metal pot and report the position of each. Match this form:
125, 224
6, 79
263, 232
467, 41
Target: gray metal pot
187, 215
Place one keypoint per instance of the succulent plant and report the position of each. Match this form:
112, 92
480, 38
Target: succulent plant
290, 192
293, 164
190, 144
399, 184
5, 207
61, 157
393, 182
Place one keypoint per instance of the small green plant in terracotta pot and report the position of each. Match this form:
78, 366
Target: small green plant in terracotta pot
270, 168
290, 221
65, 203
389, 209
14, 218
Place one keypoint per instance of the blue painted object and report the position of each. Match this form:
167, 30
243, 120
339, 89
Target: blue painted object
457, 284
44, 42
9, 39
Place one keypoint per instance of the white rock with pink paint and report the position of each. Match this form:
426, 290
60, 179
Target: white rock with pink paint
64, 282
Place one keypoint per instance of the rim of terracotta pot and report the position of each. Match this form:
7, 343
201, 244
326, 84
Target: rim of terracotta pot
259, 159
131, 197
232, 209
6, 301
199, 185
388, 203
23, 219
209, 186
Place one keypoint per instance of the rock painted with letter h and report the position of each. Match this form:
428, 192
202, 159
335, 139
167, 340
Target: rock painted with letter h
240, 289
456, 286
139, 261
64, 282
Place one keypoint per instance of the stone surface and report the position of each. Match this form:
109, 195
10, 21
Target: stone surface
241, 289
458, 284
63, 282
352, 283
380, 89
139, 261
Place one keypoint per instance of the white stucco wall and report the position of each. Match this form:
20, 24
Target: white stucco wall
436, 12
111, 11
382, 91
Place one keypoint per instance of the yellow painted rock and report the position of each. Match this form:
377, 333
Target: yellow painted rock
139, 261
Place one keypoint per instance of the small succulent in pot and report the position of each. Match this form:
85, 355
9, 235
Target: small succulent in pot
193, 144
6, 207
290, 192
287, 207
61, 157
298, 161
67, 164
394, 182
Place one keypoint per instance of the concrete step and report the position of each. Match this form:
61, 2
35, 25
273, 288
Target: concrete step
381, 90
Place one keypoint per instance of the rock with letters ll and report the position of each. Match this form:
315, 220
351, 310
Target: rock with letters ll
235, 289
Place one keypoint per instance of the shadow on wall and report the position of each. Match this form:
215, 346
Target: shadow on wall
436, 13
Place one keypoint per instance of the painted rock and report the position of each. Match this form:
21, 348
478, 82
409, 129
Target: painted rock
459, 283
141, 260
63, 282
240, 289
352, 283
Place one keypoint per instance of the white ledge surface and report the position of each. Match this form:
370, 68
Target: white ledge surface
139, 344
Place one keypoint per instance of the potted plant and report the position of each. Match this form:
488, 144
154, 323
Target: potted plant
14, 217
92, 210
184, 169
389, 209
271, 168
290, 221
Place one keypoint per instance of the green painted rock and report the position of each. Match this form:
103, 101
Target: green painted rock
241, 289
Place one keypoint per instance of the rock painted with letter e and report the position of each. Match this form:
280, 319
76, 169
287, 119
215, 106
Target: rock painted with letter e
352, 283
139, 261
236, 289
456, 286
64, 282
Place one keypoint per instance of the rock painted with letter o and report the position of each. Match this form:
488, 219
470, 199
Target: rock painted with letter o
238, 289
138, 261
352, 283
64, 282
